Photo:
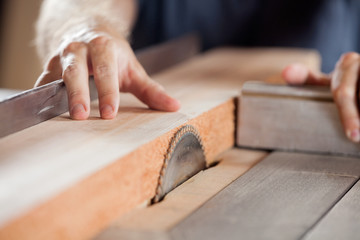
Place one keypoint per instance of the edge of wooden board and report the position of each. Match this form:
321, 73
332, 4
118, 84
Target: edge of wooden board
104, 196
314, 93
304, 121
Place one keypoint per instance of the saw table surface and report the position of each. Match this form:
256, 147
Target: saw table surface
284, 196
65, 179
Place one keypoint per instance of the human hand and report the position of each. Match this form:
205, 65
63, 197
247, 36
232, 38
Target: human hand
344, 82
110, 59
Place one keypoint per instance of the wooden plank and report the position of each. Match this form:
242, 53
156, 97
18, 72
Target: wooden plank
69, 179
155, 220
279, 198
5, 93
291, 118
266, 63
343, 221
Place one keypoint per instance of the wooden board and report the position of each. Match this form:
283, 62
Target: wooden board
343, 221
291, 118
153, 222
70, 179
280, 198
5, 93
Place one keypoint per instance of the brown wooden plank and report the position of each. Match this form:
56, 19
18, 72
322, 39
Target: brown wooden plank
289, 118
279, 198
69, 179
343, 221
153, 222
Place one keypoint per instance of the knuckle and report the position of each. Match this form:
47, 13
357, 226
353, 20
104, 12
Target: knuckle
134, 73
103, 70
136, 70
75, 94
73, 47
102, 42
110, 93
343, 93
150, 88
155, 85
146, 93
71, 70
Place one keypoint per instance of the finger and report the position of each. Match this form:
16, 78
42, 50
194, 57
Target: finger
299, 74
52, 72
76, 77
150, 92
104, 66
344, 87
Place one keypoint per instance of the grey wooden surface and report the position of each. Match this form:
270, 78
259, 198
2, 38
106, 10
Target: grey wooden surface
114, 233
343, 221
302, 120
280, 198
305, 92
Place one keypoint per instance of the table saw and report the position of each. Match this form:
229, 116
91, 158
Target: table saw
106, 179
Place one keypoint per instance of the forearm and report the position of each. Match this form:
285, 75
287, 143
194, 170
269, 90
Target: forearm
70, 20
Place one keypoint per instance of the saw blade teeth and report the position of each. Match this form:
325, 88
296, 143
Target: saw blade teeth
167, 156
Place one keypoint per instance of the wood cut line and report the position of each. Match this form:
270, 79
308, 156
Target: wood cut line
86, 208
186, 198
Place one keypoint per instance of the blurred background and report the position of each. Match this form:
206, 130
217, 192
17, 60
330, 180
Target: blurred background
19, 64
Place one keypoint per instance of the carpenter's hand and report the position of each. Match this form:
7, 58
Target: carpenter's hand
114, 66
344, 80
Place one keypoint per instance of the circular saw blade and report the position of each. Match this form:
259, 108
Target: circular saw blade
185, 157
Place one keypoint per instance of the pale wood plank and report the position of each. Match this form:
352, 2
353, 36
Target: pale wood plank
5, 93
279, 198
289, 118
69, 179
182, 201
343, 221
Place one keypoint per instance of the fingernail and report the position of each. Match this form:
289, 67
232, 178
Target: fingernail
354, 135
77, 109
106, 111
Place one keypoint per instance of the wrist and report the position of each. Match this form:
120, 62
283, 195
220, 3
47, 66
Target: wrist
80, 30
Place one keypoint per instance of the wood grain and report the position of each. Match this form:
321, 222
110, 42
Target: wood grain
343, 221
291, 118
279, 198
70, 179
157, 219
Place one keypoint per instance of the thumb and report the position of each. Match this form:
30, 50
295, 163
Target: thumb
52, 72
299, 74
